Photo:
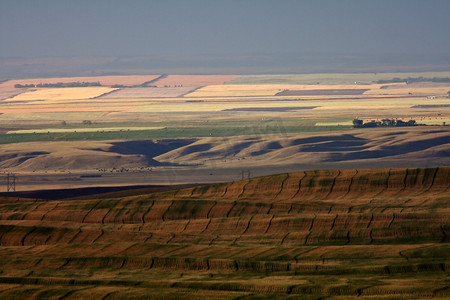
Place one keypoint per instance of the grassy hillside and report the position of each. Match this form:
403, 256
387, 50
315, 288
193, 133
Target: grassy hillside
342, 234
393, 147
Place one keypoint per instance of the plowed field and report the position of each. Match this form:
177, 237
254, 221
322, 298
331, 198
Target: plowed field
148, 92
193, 80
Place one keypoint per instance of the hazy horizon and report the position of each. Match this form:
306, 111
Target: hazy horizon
276, 36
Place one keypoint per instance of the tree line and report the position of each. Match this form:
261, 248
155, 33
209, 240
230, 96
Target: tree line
59, 84
357, 123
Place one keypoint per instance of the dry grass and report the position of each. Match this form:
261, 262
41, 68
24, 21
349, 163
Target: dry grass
128, 80
385, 146
62, 93
315, 148
336, 233
65, 156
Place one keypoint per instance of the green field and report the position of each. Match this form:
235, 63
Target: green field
166, 133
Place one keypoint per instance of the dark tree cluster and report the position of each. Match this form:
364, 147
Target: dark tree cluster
357, 123
413, 79
59, 84
19, 86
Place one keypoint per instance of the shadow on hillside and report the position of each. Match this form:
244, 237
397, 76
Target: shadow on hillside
345, 142
331, 138
392, 150
149, 149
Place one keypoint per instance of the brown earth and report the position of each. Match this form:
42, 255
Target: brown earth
147, 92
321, 92
193, 80
272, 109
380, 233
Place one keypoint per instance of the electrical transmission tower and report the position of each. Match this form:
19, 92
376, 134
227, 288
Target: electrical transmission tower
10, 182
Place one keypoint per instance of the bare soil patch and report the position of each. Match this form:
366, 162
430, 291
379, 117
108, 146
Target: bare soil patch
273, 109
194, 80
321, 92
148, 92
431, 106
9, 94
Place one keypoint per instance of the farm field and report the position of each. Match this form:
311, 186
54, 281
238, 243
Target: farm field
233, 122
285, 198
193, 80
135, 80
337, 234
241, 90
69, 93
148, 92
331, 78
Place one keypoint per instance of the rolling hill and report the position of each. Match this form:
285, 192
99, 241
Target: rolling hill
338, 234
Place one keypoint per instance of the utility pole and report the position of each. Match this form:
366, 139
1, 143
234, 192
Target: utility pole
10, 182
245, 174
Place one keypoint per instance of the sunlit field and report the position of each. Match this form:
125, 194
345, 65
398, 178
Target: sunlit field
332, 227
266, 107
344, 234
236, 150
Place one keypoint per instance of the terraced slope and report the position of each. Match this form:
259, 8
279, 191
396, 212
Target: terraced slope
341, 234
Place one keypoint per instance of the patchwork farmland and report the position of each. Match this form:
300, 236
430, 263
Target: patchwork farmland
283, 197
248, 122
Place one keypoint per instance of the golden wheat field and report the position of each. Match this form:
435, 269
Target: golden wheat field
127, 80
62, 93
